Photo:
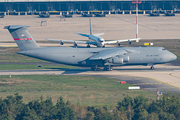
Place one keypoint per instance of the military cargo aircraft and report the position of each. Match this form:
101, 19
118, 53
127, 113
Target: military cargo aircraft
95, 40
89, 57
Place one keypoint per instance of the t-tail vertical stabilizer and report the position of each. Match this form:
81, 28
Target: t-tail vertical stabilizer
90, 26
22, 37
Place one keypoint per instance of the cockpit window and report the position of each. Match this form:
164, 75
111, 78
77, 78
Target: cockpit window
102, 40
163, 49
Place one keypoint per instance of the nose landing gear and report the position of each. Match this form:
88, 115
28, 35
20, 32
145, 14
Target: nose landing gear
152, 67
88, 46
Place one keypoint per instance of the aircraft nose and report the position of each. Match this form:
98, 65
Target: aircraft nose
173, 57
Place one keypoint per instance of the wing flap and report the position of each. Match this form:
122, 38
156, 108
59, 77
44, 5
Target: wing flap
108, 53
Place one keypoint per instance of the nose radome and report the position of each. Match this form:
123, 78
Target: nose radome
173, 57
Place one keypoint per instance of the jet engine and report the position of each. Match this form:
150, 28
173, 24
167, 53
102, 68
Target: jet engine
120, 60
75, 44
117, 60
61, 42
125, 58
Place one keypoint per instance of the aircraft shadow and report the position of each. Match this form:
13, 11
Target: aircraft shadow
81, 70
71, 71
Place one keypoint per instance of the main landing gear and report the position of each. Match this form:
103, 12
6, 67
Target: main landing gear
108, 68
95, 68
152, 67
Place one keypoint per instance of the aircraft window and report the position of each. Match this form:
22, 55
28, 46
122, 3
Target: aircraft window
101, 39
163, 49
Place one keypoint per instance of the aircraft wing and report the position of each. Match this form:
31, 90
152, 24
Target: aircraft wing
108, 53
72, 41
125, 40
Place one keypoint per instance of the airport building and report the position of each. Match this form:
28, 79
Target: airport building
86, 5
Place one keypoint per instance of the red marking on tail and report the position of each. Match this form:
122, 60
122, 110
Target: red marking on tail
22, 38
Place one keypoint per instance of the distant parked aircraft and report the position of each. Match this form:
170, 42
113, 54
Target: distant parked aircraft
94, 39
89, 57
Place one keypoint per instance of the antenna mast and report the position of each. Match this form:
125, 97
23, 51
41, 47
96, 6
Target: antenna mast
137, 2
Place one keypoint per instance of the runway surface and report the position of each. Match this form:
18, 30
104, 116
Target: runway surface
166, 78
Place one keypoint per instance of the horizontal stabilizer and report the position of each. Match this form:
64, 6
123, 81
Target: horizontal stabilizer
108, 53
98, 34
85, 35
15, 26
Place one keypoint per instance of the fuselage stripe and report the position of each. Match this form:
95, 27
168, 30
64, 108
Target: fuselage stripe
22, 38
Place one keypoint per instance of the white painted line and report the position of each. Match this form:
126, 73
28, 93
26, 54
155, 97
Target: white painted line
134, 88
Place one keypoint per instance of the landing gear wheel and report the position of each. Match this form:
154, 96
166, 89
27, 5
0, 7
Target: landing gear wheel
152, 68
98, 69
88, 46
103, 46
108, 69
95, 69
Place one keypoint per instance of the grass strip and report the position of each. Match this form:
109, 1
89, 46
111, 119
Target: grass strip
78, 89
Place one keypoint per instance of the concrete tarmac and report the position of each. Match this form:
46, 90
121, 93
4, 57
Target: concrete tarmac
115, 27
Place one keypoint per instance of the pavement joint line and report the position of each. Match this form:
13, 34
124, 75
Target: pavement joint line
145, 77
164, 82
174, 76
155, 83
155, 80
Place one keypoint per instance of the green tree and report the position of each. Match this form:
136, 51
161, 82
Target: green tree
90, 115
11, 106
153, 116
120, 115
62, 112
104, 116
27, 114
143, 114
166, 116
127, 101
140, 101
130, 112
42, 108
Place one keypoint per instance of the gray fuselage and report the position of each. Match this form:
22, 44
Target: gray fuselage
119, 57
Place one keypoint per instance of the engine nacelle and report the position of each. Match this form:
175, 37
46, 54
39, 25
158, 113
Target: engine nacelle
126, 59
117, 60
75, 44
120, 60
61, 42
